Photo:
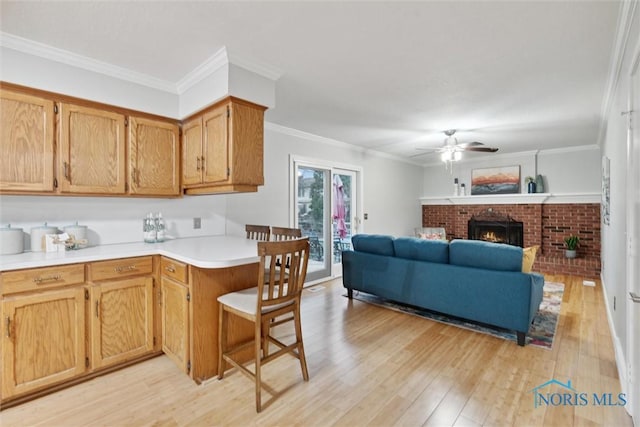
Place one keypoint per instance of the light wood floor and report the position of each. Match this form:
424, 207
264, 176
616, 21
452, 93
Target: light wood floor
367, 366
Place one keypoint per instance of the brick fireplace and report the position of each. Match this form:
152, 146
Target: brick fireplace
545, 225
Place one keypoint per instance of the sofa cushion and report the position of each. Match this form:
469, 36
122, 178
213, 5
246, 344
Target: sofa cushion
528, 258
374, 244
480, 254
422, 250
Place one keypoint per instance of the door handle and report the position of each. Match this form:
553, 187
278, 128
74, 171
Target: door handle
634, 297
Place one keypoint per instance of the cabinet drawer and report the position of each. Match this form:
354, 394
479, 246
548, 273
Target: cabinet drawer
41, 278
175, 269
117, 268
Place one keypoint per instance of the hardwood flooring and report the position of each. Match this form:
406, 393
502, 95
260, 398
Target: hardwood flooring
367, 366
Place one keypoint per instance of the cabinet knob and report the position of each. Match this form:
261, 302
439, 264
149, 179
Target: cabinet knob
170, 269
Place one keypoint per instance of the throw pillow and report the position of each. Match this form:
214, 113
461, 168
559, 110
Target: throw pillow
528, 258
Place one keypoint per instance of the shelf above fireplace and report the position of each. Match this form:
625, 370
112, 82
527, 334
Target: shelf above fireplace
513, 199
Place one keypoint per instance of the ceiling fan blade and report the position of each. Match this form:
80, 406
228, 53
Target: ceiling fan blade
482, 149
464, 145
471, 144
428, 150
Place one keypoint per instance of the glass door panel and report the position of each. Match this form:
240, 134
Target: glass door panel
344, 222
312, 213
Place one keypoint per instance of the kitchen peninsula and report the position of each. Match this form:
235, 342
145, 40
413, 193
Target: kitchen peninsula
69, 316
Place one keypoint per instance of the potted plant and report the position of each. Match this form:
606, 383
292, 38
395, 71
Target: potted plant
572, 245
531, 184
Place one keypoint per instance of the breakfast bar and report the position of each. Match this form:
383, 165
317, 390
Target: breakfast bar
69, 316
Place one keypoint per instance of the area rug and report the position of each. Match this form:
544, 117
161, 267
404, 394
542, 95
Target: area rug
540, 334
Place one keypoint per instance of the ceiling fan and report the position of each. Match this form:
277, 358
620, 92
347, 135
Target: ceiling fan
452, 150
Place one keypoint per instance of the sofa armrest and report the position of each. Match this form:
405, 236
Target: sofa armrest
537, 285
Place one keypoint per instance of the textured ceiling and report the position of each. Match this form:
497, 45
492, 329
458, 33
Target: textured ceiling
389, 76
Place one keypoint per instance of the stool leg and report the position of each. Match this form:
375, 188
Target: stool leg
258, 362
301, 356
222, 339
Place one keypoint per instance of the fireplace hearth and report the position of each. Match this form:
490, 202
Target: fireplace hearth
495, 227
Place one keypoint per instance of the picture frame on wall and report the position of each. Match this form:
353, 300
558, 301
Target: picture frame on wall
500, 180
605, 204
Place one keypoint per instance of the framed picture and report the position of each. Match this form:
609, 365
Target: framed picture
502, 180
606, 201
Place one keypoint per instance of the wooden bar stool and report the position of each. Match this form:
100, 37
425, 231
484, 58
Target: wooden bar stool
273, 297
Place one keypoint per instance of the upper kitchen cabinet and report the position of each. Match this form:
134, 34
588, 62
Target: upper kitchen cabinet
223, 148
91, 157
26, 142
154, 150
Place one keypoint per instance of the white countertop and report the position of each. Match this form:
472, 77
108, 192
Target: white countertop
203, 252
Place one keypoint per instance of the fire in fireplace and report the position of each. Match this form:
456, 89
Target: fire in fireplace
494, 227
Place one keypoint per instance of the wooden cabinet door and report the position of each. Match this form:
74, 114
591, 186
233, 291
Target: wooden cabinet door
192, 152
43, 339
26, 142
175, 322
153, 157
92, 151
246, 146
121, 320
215, 145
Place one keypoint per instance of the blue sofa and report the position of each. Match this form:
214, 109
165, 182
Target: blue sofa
471, 279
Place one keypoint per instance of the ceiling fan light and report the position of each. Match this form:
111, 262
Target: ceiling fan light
457, 155
446, 156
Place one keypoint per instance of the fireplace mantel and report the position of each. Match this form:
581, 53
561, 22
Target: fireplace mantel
513, 199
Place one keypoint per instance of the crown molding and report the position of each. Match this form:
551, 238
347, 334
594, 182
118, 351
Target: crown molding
571, 149
625, 21
333, 142
202, 71
261, 68
559, 150
69, 58
485, 157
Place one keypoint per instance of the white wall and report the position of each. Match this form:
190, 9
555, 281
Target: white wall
33, 71
575, 170
114, 219
614, 255
391, 187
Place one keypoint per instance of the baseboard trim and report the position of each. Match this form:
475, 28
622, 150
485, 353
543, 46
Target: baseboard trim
621, 363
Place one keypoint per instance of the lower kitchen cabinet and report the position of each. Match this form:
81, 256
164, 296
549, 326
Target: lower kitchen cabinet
175, 322
58, 327
121, 320
43, 339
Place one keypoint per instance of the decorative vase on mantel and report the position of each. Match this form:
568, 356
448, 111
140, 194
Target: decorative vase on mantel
539, 184
570, 253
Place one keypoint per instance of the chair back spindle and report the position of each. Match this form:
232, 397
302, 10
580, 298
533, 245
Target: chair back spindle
258, 232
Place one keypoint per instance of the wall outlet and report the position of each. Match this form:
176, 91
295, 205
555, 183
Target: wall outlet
197, 223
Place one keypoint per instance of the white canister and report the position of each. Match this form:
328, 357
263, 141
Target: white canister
79, 232
11, 240
37, 236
